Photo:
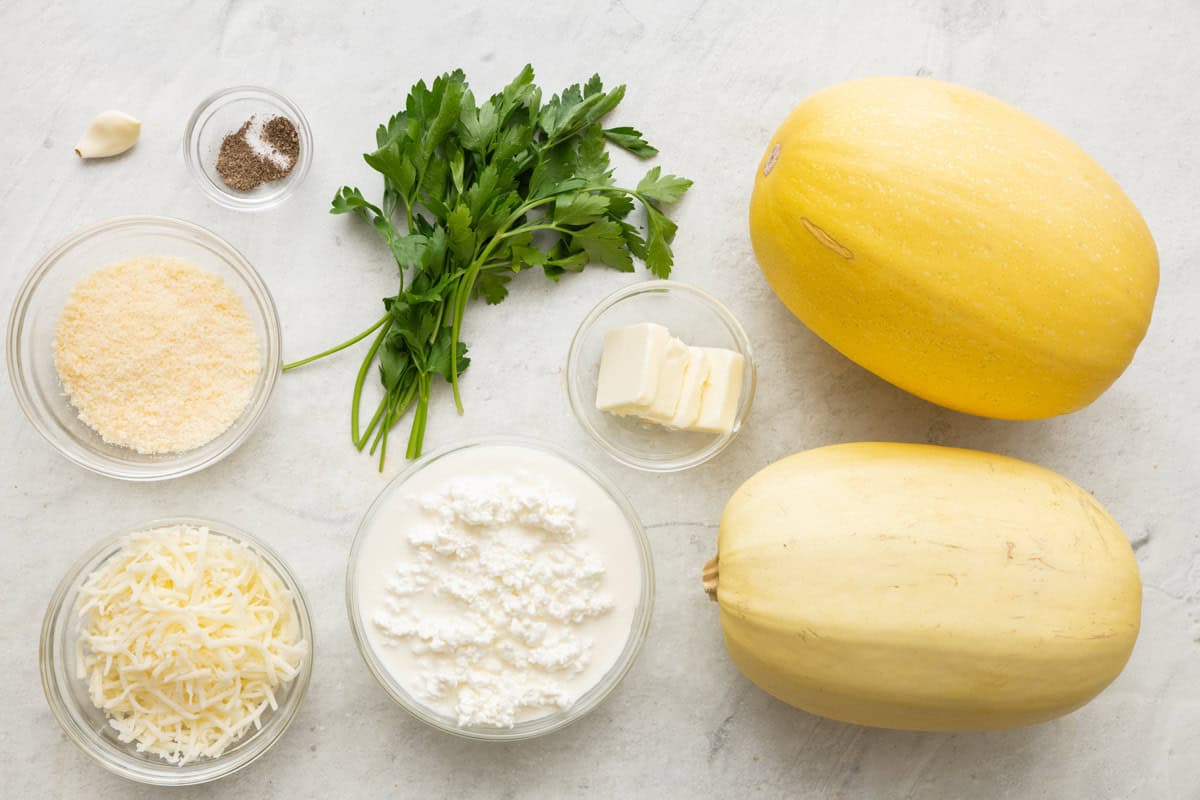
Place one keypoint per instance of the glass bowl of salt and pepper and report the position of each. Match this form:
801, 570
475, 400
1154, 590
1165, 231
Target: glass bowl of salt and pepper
247, 148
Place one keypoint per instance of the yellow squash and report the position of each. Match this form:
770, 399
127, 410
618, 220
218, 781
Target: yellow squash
954, 246
924, 588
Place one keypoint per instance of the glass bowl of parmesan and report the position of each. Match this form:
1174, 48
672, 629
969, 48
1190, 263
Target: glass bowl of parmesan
144, 348
176, 652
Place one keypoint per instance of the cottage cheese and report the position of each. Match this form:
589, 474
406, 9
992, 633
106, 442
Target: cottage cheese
498, 584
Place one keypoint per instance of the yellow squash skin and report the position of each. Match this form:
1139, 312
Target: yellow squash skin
924, 588
954, 245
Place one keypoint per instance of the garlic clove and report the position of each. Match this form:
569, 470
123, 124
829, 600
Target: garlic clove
110, 134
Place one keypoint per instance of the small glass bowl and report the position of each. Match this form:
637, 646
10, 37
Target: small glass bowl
694, 316
40, 301
541, 725
224, 113
87, 726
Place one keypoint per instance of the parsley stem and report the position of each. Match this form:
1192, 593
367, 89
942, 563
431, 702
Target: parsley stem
362, 376
532, 228
460, 300
361, 443
416, 437
406, 400
383, 433
338, 347
393, 406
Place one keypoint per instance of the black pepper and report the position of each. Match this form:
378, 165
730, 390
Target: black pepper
243, 168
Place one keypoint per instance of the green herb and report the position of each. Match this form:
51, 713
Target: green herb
486, 191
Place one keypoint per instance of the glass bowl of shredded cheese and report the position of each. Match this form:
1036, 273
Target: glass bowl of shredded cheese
144, 348
177, 652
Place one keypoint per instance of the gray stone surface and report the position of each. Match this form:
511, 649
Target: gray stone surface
708, 83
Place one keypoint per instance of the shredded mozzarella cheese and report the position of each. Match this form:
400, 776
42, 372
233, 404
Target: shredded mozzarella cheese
185, 637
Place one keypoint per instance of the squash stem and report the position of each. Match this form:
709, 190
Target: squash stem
711, 577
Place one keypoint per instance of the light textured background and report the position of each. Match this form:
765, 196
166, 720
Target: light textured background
708, 83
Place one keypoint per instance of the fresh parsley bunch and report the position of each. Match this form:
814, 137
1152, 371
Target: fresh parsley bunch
486, 191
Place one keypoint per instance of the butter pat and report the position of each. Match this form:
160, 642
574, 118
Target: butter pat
695, 377
722, 390
671, 374
647, 373
629, 368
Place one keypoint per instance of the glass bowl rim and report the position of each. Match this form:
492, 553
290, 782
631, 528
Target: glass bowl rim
167, 468
579, 405
594, 696
228, 198
121, 763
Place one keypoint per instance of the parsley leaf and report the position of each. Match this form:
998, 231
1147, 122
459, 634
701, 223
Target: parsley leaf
395, 166
619, 206
630, 139
605, 242
591, 161
439, 356
461, 237
579, 209
493, 286
407, 250
663, 188
350, 199
660, 234
478, 125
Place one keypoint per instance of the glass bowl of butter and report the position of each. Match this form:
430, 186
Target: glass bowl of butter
661, 375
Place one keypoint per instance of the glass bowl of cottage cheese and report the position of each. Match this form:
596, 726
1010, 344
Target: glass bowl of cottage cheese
500, 589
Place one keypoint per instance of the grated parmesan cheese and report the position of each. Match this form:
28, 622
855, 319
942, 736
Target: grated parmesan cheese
185, 637
156, 354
